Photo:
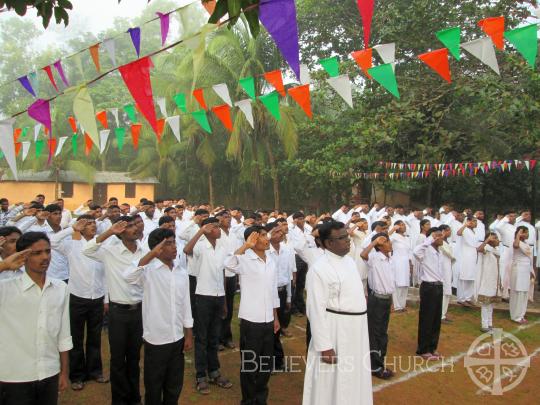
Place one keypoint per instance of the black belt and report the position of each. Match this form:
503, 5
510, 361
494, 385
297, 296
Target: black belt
432, 282
129, 307
333, 311
283, 287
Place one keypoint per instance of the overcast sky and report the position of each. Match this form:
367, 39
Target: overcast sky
87, 16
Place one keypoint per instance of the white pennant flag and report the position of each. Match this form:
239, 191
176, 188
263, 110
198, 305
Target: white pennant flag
61, 142
387, 52
162, 103
223, 92
7, 145
103, 136
342, 85
527, 163
305, 77
25, 149
245, 107
483, 49
114, 112
111, 49
37, 128
174, 123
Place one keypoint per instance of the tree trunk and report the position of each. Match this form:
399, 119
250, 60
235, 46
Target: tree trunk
273, 174
210, 188
57, 184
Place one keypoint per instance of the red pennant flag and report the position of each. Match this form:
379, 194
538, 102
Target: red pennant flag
223, 112
87, 144
102, 118
199, 96
494, 27
366, 11
364, 59
73, 124
136, 76
16, 133
160, 128
438, 61
18, 146
48, 70
275, 79
532, 163
135, 132
52, 146
94, 52
300, 94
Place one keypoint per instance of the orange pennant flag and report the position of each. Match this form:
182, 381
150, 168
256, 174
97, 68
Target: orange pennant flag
438, 61
160, 128
73, 124
209, 6
135, 132
94, 52
87, 144
46, 131
364, 59
494, 27
275, 79
300, 94
223, 112
102, 118
16, 133
198, 94
52, 146
18, 146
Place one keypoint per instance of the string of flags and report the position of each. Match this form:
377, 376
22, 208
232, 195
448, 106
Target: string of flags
279, 18
416, 171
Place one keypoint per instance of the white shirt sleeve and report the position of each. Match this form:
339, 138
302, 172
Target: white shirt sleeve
91, 249
65, 342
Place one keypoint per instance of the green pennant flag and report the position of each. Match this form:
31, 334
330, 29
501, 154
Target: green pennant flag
130, 111
40, 144
24, 132
180, 100
120, 134
524, 40
248, 84
1, 154
331, 65
385, 76
74, 144
202, 119
450, 38
271, 102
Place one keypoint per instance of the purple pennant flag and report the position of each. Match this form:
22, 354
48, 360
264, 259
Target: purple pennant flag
135, 34
26, 84
60, 70
40, 111
164, 21
279, 19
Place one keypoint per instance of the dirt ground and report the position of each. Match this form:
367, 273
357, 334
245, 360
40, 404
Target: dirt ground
450, 384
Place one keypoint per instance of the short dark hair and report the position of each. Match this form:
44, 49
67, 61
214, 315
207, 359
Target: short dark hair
94, 206
165, 219
40, 195
111, 207
271, 225
443, 227
169, 209
86, 216
431, 230
521, 228
221, 213
36, 205
201, 211
508, 212
398, 206
298, 214
53, 208
209, 220
281, 220
423, 222
325, 230
148, 202
378, 223
3, 200
159, 200
158, 235
113, 198
8, 230
374, 237
125, 218
29, 238
251, 229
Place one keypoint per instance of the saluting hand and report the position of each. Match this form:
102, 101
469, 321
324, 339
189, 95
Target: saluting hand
252, 240
118, 227
16, 260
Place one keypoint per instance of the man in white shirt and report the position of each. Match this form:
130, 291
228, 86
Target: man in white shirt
66, 214
87, 302
343, 214
208, 263
148, 210
169, 335
469, 262
110, 216
35, 332
525, 220
297, 236
7, 213
125, 315
431, 294
259, 301
506, 228
9, 235
283, 256
480, 230
382, 285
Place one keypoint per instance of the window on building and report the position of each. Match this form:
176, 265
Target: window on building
67, 190
130, 190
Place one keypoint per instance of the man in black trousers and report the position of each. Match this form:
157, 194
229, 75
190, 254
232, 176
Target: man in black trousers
431, 294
